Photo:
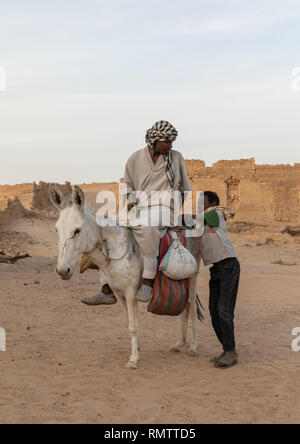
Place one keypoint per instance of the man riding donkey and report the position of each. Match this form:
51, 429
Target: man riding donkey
156, 168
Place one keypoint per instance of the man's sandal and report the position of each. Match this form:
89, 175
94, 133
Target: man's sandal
225, 363
217, 358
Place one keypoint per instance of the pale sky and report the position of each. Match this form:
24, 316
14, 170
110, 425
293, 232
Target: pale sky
86, 79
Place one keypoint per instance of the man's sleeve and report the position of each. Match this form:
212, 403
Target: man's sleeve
212, 219
128, 176
185, 183
128, 184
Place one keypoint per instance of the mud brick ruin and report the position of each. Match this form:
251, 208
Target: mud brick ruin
19, 200
260, 194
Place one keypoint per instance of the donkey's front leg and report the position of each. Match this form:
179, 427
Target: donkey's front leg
133, 327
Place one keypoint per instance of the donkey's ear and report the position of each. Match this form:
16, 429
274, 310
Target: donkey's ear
78, 197
57, 197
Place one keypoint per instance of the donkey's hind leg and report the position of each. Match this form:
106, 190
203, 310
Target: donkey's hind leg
184, 319
193, 315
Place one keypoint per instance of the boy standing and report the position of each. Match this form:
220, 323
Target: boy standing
217, 250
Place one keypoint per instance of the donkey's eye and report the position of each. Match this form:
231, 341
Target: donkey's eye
78, 231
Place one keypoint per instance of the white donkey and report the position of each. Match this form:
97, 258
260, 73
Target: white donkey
79, 233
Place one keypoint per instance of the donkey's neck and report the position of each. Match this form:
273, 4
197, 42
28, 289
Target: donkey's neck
115, 238
95, 233
92, 230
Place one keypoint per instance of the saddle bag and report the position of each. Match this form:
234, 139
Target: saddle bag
170, 297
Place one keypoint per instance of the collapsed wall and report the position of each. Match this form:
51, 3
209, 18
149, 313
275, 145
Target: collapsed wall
14, 210
23, 192
19, 200
260, 194
40, 196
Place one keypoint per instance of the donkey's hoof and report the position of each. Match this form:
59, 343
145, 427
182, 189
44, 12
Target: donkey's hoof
175, 349
132, 365
192, 354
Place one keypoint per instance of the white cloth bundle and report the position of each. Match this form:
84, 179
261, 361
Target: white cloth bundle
178, 263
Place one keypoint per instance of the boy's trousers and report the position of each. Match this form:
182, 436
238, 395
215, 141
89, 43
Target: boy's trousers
224, 284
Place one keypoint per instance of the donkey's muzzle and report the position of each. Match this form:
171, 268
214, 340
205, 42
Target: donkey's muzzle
64, 272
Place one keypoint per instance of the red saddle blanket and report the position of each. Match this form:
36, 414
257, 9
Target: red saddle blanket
169, 297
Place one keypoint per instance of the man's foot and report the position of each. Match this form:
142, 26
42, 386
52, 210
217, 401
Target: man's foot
105, 297
229, 360
100, 299
217, 358
145, 293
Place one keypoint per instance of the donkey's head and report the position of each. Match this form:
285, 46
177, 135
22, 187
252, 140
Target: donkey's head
72, 229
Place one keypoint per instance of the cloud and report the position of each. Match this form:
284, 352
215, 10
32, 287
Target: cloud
231, 25
216, 26
85, 80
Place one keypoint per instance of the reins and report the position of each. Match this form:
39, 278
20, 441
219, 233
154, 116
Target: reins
105, 250
103, 247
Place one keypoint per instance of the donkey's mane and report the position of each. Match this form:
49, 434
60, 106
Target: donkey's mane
89, 209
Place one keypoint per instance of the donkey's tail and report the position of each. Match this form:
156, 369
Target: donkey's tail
200, 307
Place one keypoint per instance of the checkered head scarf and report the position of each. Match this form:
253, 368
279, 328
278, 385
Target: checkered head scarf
163, 131
160, 131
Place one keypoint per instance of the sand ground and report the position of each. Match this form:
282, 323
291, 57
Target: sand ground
65, 363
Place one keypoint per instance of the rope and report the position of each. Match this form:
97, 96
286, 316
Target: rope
200, 315
104, 243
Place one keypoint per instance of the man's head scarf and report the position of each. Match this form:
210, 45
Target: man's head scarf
227, 212
160, 131
163, 131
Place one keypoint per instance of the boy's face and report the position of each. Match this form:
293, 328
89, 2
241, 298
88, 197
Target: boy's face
207, 204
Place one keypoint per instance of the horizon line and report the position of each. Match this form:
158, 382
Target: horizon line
233, 161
